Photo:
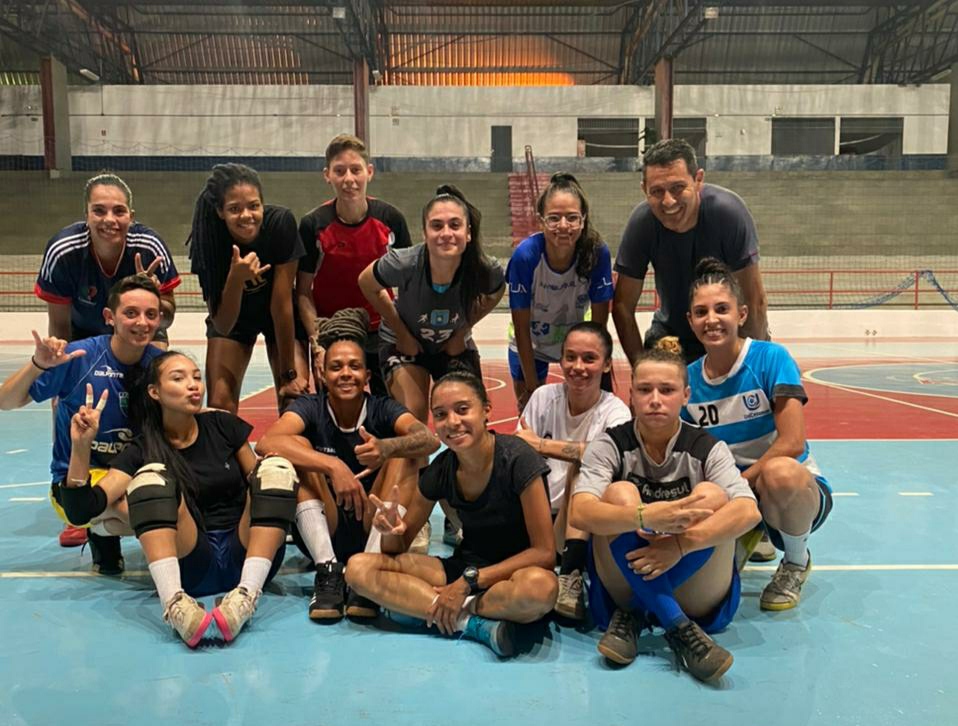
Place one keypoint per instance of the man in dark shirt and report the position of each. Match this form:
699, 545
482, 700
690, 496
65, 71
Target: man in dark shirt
681, 221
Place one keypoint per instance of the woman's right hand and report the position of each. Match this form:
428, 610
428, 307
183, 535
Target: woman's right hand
246, 268
349, 491
676, 516
86, 421
51, 352
407, 343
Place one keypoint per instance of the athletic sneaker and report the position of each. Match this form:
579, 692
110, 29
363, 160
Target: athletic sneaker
697, 652
329, 591
764, 551
618, 643
498, 635
785, 588
71, 536
451, 535
360, 608
188, 618
233, 612
420, 545
107, 557
571, 601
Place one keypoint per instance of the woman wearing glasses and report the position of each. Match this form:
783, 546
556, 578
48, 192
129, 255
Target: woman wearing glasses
553, 276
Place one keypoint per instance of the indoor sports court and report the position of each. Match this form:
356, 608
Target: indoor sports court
833, 120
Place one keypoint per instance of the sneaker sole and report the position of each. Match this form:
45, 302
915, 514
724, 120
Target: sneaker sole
72, 540
201, 631
504, 645
757, 556
778, 606
109, 571
570, 613
223, 625
361, 612
325, 614
719, 672
613, 655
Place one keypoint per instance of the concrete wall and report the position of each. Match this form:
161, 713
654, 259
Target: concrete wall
424, 122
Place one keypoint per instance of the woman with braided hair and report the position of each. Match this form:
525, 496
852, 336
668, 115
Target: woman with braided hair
354, 443
245, 253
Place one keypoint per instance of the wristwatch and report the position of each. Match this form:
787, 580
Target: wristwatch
471, 576
290, 375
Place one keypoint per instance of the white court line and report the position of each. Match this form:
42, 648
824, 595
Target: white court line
859, 387
16, 451
844, 494
880, 354
808, 376
29, 499
26, 484
915, 494
144, 574
896, 441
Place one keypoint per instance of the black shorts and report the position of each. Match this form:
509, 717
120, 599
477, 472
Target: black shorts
437, 364
216, 563
455, 564
246, 332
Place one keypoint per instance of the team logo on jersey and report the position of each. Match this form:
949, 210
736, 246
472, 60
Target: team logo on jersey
255, 285
517, 288
439, 318
660, 491
125, 402
107, 371
752, 401
122, 437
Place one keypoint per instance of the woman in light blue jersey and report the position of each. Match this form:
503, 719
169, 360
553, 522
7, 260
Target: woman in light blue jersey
749, 394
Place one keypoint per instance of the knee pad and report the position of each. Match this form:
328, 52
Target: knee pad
153, 499
273, 493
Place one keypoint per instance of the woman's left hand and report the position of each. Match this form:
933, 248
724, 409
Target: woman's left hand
660, 556
149, 271
445, 611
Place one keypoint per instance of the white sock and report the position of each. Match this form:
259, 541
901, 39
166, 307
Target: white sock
374, 543
166, 577
469, 604
253, 577
314, 529
796, 548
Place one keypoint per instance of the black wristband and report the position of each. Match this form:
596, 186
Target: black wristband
33, 359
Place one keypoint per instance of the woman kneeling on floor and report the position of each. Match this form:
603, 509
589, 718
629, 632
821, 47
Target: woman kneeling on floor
203, 528
501, 573
664, 503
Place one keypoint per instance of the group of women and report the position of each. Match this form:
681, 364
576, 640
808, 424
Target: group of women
642, 497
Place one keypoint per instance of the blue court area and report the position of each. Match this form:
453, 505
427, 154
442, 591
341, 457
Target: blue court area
870, 644
932, 378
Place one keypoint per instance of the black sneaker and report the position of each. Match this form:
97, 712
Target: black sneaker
329, 590
698, 653
107, 557
360, 608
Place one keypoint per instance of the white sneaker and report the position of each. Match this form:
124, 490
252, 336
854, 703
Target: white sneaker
420, 545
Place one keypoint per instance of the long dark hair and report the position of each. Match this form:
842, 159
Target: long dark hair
474, 268
147, 412
589, 242
210, 243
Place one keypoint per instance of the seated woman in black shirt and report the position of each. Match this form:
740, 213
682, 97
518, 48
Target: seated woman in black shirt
502, 572
203, 528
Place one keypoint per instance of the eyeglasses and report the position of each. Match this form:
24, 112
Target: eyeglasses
552, 221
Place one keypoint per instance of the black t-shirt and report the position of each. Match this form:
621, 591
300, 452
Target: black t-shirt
493, 526
724, 230
212, 458
378, 417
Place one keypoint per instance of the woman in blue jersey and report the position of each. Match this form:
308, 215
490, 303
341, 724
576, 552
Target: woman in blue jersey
749, 394
245, 254
553, 276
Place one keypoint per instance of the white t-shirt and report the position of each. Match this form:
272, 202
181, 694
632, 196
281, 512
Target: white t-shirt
547, 415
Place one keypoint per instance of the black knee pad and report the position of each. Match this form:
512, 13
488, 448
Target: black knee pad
272, 493
153, 499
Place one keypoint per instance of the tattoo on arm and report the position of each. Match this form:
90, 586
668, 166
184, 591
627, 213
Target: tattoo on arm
418, 442
572, 451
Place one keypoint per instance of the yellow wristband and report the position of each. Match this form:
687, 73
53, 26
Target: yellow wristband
638, 515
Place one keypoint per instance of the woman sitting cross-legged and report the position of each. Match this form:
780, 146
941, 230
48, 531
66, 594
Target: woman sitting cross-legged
664, 503
210, 518
501, 573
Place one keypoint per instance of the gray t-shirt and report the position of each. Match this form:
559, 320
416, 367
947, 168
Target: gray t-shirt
432, 317
692, 456
725, 230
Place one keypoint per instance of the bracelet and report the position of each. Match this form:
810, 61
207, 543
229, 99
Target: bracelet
33, 359
638, 512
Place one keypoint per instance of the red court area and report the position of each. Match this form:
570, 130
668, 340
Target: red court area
832, 412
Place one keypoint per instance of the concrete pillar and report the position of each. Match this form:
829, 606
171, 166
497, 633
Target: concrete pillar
56, 115
361, 99
663, 98
953, 122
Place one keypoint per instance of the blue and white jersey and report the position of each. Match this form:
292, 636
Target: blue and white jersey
556, 300
100, 368
737, 408
71, 274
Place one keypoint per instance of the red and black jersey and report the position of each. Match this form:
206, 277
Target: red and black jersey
337, 252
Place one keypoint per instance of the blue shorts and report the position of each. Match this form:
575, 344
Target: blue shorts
601, 604
515, 368
216, 562
824, 509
